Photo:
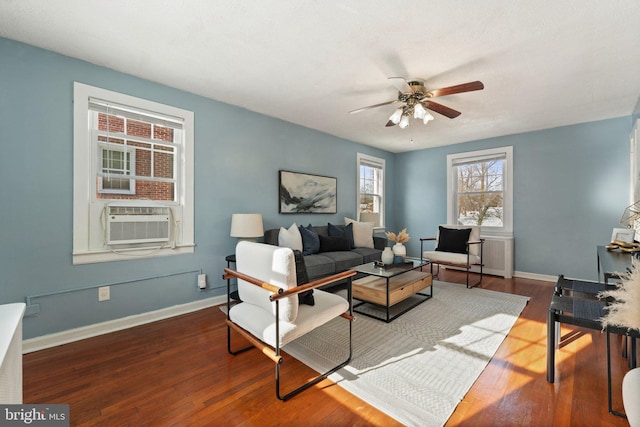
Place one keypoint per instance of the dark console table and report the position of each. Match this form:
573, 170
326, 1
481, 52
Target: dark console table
612, 265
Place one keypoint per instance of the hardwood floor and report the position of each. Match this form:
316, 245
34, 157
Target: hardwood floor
178, 372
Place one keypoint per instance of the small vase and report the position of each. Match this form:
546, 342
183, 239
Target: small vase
400, 250
387, 256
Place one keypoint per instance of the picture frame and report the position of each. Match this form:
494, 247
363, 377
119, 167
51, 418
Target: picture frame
623, 234
306, 193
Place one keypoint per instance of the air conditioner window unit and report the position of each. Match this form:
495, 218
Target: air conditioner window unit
135, 223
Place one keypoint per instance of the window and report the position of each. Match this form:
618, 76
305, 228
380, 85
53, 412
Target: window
370, 198
116, 163
480, 189
134, 152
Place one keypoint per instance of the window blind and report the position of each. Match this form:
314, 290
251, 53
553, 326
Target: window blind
132, 113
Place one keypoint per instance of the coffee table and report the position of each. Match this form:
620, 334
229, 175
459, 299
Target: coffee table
388, 286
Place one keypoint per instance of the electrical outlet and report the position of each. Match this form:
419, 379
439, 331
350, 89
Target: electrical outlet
104, 293
202, 281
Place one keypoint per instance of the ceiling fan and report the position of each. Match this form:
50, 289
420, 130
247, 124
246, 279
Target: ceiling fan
417, 100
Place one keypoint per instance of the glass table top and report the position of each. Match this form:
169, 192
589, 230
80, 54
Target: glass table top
375, 269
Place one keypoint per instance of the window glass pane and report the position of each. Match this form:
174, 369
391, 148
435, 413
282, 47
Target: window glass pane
111, 183
481, 176
163, 162
480, 209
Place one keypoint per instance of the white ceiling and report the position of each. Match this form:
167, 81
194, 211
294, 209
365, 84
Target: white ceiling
544, 63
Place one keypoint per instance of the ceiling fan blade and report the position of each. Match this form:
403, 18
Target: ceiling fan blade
401, 84
389, 124
441, 109
373, 106
464, 87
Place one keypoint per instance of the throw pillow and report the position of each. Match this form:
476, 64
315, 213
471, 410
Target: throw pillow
335, 243
302, 277
453, 240
337, 231
362, 233
310, 240
290, 238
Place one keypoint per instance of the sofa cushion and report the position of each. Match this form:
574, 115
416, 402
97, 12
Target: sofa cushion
301, 278
344, 260
290, 238
261, 323
453, 240
362, 233
450, 257
368, 254
337, 243
310, 240
346, 230
319, 265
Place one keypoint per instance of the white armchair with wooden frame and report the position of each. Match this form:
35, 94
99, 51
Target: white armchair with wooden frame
458, 246
270, 314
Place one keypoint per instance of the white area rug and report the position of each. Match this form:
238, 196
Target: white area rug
420, 366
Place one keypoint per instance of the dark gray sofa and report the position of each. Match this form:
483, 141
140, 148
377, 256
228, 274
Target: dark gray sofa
326, 263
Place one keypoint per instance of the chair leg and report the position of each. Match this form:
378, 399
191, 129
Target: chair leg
479, 280
437, 273
317, 379
234, 352
551, 346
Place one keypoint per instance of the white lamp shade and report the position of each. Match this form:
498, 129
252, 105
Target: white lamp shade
373, 217
427, 117
246, 225
396, 116
404, 122
419, 111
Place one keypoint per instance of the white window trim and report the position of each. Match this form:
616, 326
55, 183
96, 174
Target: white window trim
87, 211
507, 229
376, 160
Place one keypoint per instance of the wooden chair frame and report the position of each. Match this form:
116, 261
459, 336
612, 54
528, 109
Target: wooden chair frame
277, 294
466, 266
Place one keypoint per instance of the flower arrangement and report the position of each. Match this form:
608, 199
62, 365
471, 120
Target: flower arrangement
401, 237
624, 311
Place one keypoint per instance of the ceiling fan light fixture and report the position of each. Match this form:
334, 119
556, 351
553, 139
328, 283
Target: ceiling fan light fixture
396, 116
404, 122
419, 112
427, 117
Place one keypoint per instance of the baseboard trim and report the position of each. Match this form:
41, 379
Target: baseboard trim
535, 276
47, 341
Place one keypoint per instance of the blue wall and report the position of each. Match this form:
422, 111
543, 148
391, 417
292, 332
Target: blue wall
237, 157
571, 185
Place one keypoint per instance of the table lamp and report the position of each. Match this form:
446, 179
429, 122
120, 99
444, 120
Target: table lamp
247, 226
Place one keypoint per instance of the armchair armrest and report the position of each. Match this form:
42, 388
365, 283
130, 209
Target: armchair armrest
312, 285
476, 242
279, 293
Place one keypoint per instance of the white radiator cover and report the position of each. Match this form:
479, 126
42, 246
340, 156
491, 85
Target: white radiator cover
11, 353
497, 255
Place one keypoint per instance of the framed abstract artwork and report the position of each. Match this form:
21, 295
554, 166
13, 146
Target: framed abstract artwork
306, 193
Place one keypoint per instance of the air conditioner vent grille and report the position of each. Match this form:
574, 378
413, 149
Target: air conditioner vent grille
137, 224
138, 210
